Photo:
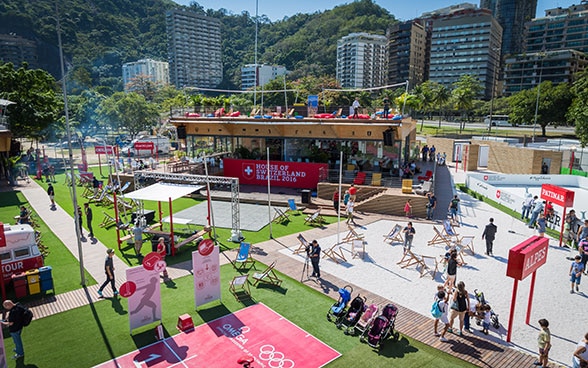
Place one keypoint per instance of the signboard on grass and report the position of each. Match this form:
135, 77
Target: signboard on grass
206, 266
145, 302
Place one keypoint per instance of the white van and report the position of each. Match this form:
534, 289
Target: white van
497, 120
147, 145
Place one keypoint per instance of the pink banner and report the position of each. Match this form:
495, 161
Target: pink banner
206, 266
282, 173
145, 302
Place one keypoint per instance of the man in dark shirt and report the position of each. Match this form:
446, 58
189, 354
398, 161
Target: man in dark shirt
489, 234
431, 204
15, 325
89, 216
109, 270
315, 256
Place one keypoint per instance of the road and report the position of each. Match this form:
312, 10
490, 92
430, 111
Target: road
526, 128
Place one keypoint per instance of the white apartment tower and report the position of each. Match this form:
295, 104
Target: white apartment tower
194, 49
361, 60
156, 71
265, 73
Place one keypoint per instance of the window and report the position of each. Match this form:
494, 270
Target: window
22, 252
5, 256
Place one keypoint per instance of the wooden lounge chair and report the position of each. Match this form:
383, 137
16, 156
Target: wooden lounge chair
430, 264
107, 221
268, 276
358, 246
410, 259
304, 244
280, 216
467, 242
335, 253
376, 179
194, 237
395, 235
448, 229
440, 238
239, 287
243, 257
293, 208
352, 235
314, 218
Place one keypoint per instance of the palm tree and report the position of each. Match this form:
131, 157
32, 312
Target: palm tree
441, 96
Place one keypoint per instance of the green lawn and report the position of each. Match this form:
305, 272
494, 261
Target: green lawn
105, 328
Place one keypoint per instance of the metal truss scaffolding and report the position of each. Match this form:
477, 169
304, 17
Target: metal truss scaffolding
143, 178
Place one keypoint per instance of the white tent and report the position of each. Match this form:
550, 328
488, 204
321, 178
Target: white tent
162, 192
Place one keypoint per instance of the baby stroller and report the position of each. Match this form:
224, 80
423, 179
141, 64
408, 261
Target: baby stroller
348, 319
482, 301
366, 318
338, 309
381, 328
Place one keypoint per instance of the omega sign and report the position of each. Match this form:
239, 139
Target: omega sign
281, 173
558, 195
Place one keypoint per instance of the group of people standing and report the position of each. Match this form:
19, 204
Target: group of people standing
348, 202
428, 152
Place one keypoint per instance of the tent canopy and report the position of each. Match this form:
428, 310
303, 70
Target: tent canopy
162, 192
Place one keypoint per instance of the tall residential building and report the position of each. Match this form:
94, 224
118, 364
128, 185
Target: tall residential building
194, 49
156, 71
560, 29
465, 41
407, 47
265, 73
512, 16
525, 71
361, 60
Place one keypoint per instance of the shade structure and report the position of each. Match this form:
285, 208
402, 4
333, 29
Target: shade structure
162, 192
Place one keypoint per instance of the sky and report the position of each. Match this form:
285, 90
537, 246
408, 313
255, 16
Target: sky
402, 10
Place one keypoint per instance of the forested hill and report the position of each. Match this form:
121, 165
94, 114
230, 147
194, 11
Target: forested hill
99, 35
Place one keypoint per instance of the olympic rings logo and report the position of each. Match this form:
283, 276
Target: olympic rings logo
275, 359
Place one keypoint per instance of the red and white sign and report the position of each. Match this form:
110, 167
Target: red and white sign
2, 236
557, 195
127, 289
148, 146
206, 275
145, 302
150, 260
103, 150
282, 173
527, 257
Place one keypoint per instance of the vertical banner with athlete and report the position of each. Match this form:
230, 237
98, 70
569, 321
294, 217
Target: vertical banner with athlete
3, 362
205, 263
145, 299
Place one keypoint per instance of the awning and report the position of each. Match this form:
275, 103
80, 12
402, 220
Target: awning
162, 192
4, 102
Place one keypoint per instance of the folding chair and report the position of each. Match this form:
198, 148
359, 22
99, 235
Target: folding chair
410, 259
423, 188
98, 199
280, 216
292, 207
335, 253
107, 221
395, 235
125, 187
467, 242
352, 235
358, 246
304, 244
314, 219
239, 285
243, 256
440, 238
448, 228
428, 175
268, 276
430, 264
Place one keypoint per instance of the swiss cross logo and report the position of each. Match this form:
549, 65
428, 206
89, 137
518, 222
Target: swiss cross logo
248, 171
485, 177
497, 194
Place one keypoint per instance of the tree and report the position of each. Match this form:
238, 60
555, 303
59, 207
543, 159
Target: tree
465, 91
83, 109
129, 112
424, 93
578, 111
37, 104
441, 96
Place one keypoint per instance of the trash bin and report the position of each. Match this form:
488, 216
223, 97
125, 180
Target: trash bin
33, 281
46, 277
305, 196
19, 282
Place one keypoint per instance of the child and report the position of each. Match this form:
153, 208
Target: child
486, 322
544, 343
541, 224
440, 289
576, 270
444, 318
162, 250
408, 208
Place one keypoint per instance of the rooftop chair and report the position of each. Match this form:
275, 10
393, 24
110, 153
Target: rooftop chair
335, 253
357, 246
407, 186
410, 259
339, 113
359, 178
268, 276
304, 244
290, 113
280, 216
194, 237
314, 218
376, 179
107, 221
239, 287
292, 207
428, 175
430, 264
395, 235
423, 188
352, 235
243, 257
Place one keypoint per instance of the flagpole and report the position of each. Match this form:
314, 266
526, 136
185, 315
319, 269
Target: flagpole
339, 204
269, 199
210, 213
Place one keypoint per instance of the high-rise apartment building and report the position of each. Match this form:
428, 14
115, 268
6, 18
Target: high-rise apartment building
265, 73
512, 16
194, 49
361, 60
465, 40
156, 71
560, 29
407, 48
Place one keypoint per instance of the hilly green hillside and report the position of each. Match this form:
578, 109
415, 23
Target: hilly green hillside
100, 35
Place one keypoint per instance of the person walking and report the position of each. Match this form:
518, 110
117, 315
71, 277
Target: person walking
349, 208
356, 106
544, 343
541, 224
583, 231
408, 208
409, 232
336, 200
315, 256
489, 234
439, 297
537, 209
527, 205
452, 264
576, 269
444, 316
51, 194
81, 221
583, 249
14, 322
109, 270
88, 212
162, 250
386, 108
453, 208
459, 306
580, 358
352, 192
431, 204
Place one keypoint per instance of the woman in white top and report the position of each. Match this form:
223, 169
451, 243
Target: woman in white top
580, 359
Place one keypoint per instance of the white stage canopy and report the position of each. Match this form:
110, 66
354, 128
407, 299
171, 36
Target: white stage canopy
162, 192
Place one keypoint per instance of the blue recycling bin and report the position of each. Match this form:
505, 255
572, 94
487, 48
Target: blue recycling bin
46, 277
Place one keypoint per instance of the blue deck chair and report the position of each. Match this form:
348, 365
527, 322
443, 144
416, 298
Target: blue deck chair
292, 207
243, 256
